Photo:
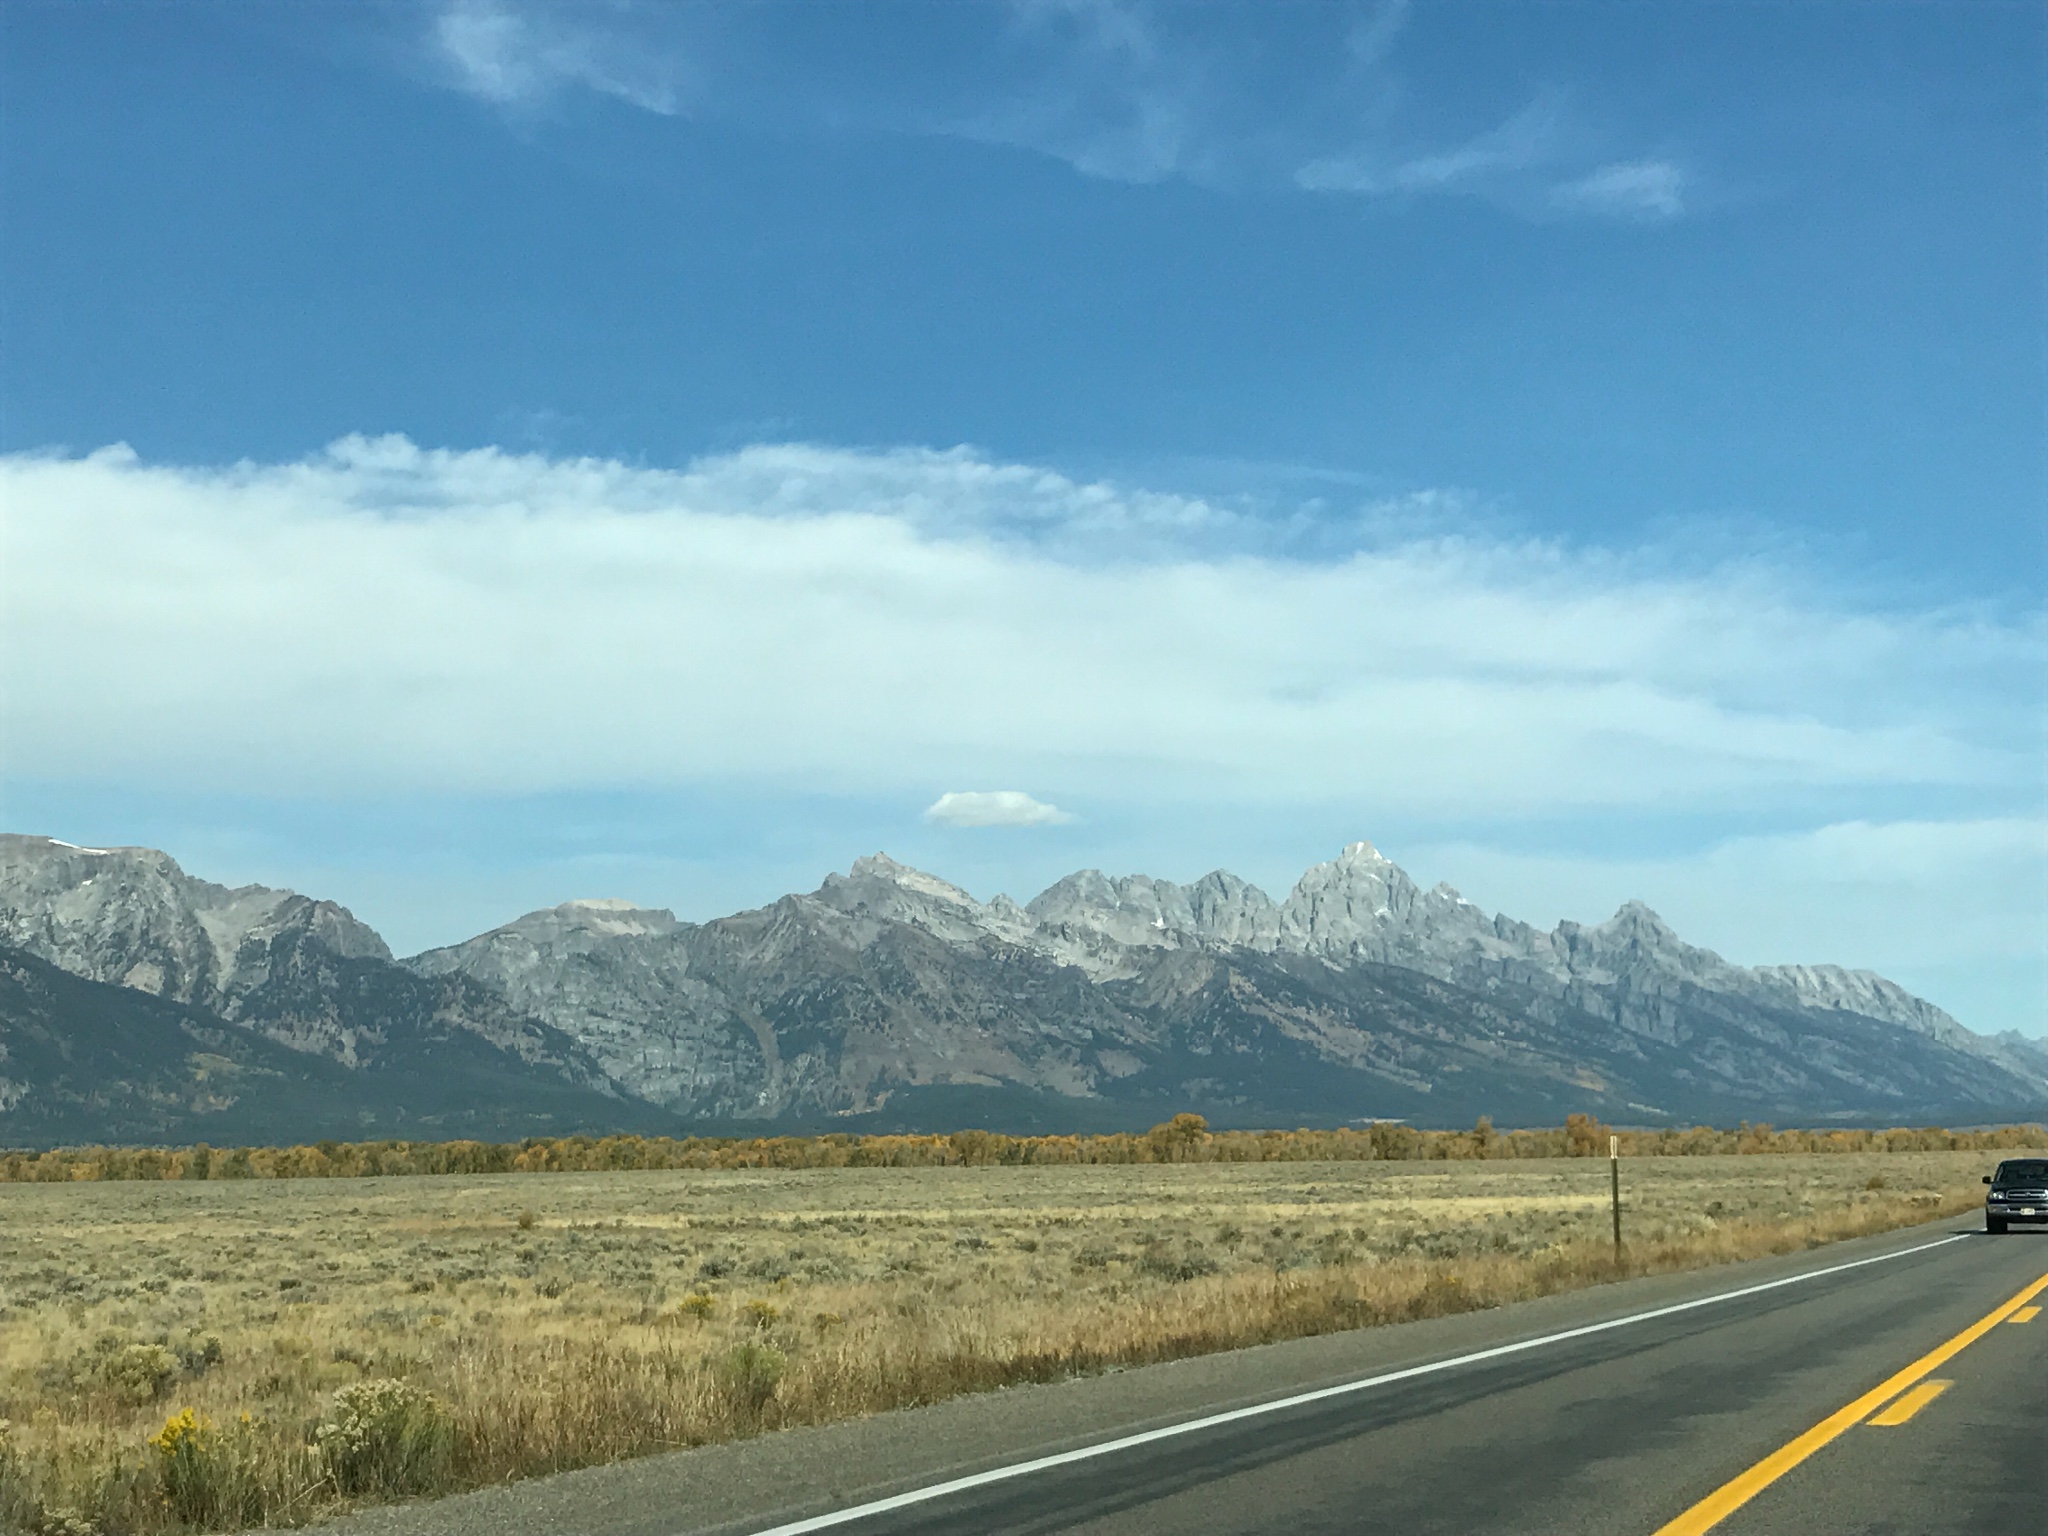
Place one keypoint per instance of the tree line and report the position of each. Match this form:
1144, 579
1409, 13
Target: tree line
1183, 1139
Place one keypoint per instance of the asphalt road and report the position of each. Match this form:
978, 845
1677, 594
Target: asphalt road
1620, 1431
1631, 1423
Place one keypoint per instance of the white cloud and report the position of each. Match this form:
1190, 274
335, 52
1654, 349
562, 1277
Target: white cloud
381, 616
993, 808
1639, 189
520, 55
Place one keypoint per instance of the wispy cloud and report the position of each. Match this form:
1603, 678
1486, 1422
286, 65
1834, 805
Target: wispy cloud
519, 56
993, 808
1515, 165
1309, 98
1373, 35
1099, 84
1634, 189
1522, 142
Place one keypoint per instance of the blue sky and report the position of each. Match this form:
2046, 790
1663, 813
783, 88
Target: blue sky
1592, 451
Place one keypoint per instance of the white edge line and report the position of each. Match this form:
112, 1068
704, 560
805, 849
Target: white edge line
1320, 1394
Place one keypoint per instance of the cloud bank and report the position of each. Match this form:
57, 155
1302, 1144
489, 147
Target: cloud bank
382, 614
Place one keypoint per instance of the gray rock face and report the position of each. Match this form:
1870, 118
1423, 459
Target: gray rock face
854, 1004
84, 1061
301, 972
887, 978
131, 916
879, 890
1217, 911
1363, 907
887, 989
618, 978
884, 978
1360, 906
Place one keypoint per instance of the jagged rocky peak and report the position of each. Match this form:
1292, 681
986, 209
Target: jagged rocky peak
1133, 909
1641, 919
1228, 910
1359, 888
1635, 945
1218, 909
132, 916
1634, 925
1864, 992
823, 1003
877, 887
878, 870
1359, 904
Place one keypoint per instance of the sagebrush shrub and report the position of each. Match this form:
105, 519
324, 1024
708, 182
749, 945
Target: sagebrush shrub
1168, 1264
200, 1354
385, 1436
749, 1375
139, 1373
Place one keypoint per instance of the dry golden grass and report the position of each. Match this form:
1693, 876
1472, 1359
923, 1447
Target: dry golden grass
554, 1322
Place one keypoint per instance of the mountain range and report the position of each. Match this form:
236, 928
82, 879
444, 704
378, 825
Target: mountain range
139, 1003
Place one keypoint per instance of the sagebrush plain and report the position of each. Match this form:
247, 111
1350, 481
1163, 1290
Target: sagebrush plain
549, 1322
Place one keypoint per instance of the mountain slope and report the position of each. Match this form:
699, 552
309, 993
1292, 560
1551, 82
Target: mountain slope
132, 916
888, 997
87, 1061
305, 973
1359, 995
299, 974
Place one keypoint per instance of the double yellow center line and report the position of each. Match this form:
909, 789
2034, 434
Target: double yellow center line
1725, 1500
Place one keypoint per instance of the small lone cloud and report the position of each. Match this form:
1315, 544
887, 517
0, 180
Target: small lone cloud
993, 808
1633, 189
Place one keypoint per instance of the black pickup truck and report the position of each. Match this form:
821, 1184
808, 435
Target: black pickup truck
2019, 1192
